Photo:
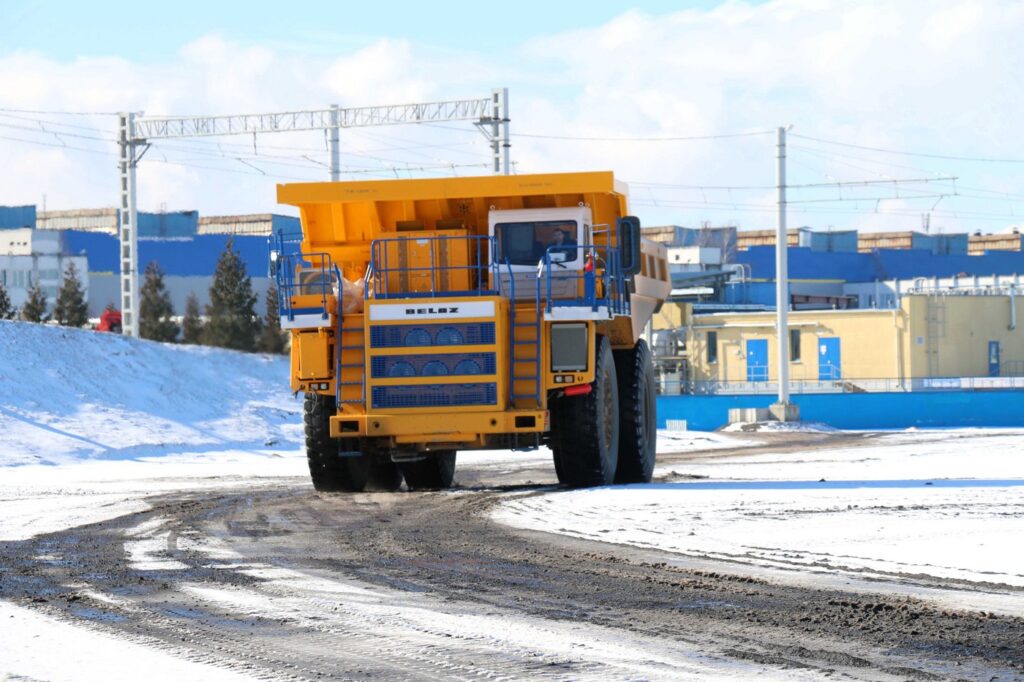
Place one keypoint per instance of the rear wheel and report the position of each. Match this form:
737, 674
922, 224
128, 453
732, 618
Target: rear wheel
638, 426
382, 474
344, 465
585, 441
435, 471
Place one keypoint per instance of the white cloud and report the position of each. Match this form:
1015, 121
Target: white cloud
942, 76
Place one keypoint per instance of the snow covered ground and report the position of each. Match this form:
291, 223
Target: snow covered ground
948, 504
70, 395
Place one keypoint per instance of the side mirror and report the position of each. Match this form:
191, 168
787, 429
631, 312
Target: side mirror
627, 229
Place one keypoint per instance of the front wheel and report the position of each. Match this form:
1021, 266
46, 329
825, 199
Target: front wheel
638, 422
586, 439
346, 465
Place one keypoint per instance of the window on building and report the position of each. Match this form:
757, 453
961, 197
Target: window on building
794, 345
712, 347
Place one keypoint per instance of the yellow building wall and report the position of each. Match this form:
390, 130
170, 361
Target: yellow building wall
941, 336
671, 316
959, 335
869, 343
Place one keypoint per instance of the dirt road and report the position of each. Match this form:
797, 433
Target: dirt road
280, 582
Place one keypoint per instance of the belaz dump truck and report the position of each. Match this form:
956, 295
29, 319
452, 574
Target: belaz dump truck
442, 315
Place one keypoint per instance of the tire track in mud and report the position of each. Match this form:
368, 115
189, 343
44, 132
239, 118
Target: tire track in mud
227, 604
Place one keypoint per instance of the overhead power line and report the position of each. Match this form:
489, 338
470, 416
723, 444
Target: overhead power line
946, 157
59, 113
679, 138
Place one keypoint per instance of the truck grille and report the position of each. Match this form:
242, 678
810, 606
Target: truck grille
458, 364
437, 395
419, 335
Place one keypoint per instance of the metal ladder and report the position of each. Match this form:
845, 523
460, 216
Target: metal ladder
339, 366
534, 361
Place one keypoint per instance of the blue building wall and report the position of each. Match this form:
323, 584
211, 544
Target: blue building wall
860, 410
842, 241
196, 256
174, 224
17, 216
285, 224
882, 264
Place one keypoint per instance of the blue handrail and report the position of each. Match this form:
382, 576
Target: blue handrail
288, 262
614, 290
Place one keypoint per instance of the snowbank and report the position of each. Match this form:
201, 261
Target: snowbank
946, 504
69, 395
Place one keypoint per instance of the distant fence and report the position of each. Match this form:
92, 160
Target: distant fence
844, 386
869, 410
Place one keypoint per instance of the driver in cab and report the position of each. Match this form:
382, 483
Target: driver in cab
561, 237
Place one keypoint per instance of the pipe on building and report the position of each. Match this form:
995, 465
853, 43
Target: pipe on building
1013, 307
897, 333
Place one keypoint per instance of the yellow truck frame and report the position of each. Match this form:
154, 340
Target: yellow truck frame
431, 316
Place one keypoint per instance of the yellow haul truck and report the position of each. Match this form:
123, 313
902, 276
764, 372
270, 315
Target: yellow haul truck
434, 316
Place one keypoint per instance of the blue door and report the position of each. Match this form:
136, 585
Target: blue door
993, 358
829, 361
757, 360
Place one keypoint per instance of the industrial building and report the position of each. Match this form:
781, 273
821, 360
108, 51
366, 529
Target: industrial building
928, 337
914, 311
37, 245
31, 257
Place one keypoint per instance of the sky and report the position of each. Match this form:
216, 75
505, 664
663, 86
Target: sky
894, 111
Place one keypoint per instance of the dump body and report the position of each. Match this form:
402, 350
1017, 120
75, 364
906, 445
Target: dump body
446, 313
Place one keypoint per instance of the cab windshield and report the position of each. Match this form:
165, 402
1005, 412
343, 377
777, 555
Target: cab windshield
526, 243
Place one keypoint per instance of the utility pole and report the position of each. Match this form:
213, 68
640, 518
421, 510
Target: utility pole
127, 226
782, 410
334, 142
499, 131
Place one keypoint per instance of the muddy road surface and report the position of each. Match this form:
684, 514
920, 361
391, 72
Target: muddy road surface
278, 582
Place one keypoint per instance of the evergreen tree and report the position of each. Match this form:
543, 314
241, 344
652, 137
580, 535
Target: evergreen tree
7, 310
155, 309
191, 323
272, 340
34, 309
71, 309
231, 316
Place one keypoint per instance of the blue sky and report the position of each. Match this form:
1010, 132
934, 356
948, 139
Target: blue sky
153, 31
876, 93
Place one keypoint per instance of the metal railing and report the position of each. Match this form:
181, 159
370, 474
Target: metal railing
301, 274
386, 279
601, 277
884, 385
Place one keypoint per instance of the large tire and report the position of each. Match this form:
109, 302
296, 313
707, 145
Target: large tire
638, 423
329, 470
435, 471
585, 441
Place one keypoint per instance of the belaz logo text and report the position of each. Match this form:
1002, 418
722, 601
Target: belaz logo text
431, 311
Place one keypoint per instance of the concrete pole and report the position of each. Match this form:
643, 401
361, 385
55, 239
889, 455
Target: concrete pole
496, 114
334, 143
506, 143
781, 273
127, 228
